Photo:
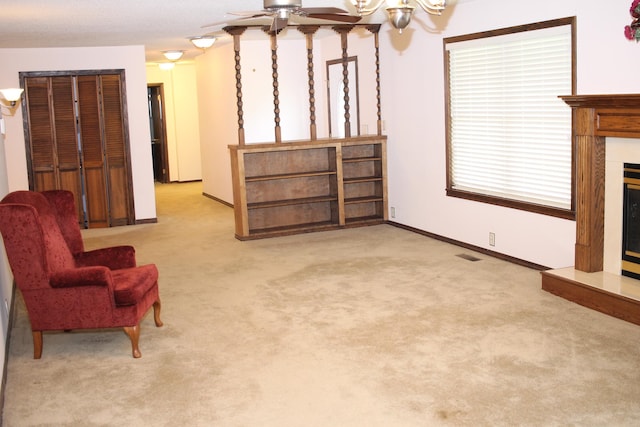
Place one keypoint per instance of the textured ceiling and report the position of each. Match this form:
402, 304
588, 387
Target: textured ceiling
156, 24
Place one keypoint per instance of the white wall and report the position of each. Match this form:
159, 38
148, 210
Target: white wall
129, 58
181, 121
413, 108
218, 104
413, 103
6, 278
218, 118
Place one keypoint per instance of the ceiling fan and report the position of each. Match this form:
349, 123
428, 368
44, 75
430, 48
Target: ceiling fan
281, 11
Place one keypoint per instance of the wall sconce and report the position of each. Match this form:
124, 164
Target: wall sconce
203, 42
12, 95
173, 55
399, 11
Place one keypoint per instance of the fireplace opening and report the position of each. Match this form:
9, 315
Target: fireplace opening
631, 221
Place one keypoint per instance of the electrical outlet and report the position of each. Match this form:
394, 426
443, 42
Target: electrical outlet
492, 239
393, 212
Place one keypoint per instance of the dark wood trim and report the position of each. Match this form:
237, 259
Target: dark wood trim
515, 29
471, 247
513, 204
147, 221
209, 196
591, 297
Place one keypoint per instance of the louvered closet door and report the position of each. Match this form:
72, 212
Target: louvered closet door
54, 144
78, 142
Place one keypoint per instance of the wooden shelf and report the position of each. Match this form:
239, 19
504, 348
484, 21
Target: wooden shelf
290, 202
357, 180
361, 159
364, 220
287, 176
298, 187
363, 200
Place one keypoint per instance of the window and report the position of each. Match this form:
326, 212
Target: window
509, 139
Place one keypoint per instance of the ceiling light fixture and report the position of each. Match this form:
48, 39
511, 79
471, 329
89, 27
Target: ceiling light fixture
173, 55
203, 42
399, 11
166, 65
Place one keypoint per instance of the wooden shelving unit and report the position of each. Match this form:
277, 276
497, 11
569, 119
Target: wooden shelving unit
303, 186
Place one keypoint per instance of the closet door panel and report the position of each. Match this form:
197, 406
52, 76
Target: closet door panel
92, 151
116, 150
40, 141
66, 138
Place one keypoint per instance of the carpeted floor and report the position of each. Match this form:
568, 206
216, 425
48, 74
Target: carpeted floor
373, 326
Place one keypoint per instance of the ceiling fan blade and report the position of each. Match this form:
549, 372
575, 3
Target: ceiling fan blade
249, 13
333, 17
278, 24
231, 21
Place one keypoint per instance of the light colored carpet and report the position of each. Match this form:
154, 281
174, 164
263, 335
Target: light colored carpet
373, 326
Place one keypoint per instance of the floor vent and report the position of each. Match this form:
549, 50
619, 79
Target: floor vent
468, 257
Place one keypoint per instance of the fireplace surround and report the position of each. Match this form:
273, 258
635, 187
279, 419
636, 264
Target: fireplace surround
631, 221
596, 117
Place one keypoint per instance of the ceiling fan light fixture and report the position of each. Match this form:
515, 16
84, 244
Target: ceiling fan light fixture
277, 4
203, 42
400, 17
173, 55
399, 11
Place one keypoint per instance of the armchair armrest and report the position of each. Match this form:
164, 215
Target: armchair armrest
115, 257
83, 276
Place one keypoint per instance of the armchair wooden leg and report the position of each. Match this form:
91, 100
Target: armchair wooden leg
37, 344
134, 335
156, 313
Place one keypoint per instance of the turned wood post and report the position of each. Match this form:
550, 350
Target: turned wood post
375, 30
236, 32
344, 31
274, 73
309, 31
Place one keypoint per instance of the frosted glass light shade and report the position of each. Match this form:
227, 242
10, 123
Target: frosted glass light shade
173, 55
203, 42
11, 94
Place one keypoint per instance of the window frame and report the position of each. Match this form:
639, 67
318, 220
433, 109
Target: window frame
496, 200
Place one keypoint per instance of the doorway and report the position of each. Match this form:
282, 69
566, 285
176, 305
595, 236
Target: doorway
155, 95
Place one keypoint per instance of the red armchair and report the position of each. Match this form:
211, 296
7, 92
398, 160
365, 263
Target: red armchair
65, 287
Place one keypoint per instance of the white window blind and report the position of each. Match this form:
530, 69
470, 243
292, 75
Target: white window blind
510, 134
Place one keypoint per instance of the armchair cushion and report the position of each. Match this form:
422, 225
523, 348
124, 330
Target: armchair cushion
85, 276
131, 284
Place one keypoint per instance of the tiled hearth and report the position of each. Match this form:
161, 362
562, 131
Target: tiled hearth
595, 118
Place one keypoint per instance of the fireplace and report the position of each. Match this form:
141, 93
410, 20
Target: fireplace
631, 221
596, 117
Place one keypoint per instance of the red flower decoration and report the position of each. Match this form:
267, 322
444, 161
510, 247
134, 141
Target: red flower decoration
635, 9
632, 32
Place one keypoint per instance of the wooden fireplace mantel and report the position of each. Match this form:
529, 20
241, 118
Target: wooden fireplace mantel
596, 117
